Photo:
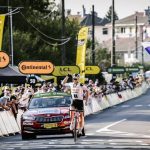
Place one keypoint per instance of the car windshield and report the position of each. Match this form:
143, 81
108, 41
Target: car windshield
61, 101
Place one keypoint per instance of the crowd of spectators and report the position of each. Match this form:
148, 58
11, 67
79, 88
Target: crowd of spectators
19, 97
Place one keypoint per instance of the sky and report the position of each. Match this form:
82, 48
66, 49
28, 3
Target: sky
122, 7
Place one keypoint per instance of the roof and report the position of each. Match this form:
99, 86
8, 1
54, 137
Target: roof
87, 21
10, 75
122, 44
141, 19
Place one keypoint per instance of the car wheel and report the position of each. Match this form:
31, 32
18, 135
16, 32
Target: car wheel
26, 136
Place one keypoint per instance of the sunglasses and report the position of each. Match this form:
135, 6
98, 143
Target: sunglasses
74, 78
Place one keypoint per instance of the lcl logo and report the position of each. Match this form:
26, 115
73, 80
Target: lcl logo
65, 69
89, 68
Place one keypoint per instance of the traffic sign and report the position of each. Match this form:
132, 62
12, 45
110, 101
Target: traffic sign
65, 70
36, 67
132, 69
4, 59
116, 70
92, 69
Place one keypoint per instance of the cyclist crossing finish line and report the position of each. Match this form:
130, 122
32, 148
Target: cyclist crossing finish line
79, 93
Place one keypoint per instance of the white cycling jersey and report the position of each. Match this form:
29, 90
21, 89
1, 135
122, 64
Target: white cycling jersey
76, 90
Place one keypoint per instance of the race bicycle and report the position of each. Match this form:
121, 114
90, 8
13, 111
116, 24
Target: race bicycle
75, 125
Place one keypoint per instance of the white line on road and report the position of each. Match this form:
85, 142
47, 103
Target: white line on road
125, 106
92, 140
89, 133
138, 105
111, 125
113, 143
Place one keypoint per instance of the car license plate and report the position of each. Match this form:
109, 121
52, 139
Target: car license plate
50, 125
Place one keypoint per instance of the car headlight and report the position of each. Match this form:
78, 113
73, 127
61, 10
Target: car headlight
28, 117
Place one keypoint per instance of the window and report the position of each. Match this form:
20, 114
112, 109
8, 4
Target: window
130, 29
123, 30
105, 31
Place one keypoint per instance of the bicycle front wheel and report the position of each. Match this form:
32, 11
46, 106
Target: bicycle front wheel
75, 129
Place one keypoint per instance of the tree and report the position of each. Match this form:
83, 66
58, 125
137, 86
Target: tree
33, 29
102, 56
108, 14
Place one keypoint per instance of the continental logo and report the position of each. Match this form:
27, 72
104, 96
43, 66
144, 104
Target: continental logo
36, 67
4, 59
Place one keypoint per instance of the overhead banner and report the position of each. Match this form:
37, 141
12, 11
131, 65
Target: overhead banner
92, 69
2, 19
81, 49
36, 67
65, 70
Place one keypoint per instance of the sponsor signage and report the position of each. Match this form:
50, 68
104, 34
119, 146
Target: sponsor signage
32, 80
36, 67
116, 70
132, 69
65, 70
141, 67
92, 69
4, 59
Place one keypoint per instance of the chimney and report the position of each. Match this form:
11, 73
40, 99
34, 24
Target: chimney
84, 10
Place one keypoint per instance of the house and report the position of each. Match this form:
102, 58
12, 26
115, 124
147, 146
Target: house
125, 38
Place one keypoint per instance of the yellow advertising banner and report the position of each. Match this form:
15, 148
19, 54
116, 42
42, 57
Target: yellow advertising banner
2, 19
81, 50
65, 70
92, 69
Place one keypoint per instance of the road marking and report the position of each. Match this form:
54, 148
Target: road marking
144, 144
125, 106
139, 141
113, 143
138, 105
105, 128
92, 140
89, 133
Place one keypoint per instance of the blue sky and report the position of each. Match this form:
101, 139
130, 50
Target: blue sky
122, 7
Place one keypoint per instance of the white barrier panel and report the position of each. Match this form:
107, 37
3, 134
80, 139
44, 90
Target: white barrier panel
6, 121
104, 103
96, 104
2, 126
13, 122
1, 134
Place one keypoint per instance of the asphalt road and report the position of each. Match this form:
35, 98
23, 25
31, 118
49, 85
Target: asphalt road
125, 126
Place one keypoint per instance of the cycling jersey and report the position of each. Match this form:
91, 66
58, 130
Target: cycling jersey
76, 90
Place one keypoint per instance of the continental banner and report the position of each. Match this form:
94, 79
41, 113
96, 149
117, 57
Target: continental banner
2, 19
81, 49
